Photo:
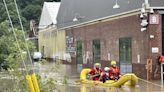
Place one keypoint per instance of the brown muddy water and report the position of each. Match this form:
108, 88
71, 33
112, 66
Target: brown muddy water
72, 74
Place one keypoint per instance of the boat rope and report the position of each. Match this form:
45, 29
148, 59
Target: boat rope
20, 21
15, 36
150, 82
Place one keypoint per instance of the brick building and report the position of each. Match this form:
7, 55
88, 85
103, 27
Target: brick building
113, 32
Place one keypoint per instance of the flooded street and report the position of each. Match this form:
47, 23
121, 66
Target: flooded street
73, 74
82, 46
141, 87
48, 71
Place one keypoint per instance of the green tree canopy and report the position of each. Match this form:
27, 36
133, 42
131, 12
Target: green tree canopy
9, 52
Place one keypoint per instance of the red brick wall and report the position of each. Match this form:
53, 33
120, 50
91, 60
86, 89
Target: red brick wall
109, 33
156, 30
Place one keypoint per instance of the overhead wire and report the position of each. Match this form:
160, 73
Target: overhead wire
15, 36
20, 21
31, 80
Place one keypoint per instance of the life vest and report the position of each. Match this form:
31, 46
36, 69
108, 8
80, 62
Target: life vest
161, 59
95, 72
115, 72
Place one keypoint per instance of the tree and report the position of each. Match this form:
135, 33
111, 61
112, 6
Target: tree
32, 12
10, 56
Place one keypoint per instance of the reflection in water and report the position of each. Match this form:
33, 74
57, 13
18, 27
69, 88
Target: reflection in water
141, 87
87, 88
83, 89
71, 87
73, 75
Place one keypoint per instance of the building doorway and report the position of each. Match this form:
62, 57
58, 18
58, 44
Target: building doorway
79, 56
125, 55
96, 51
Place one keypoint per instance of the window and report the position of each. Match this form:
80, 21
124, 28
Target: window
79, 57
125, 55
96, 51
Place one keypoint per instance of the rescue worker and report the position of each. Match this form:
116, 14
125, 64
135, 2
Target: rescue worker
114, 71
105, 74
161, 59
96, 71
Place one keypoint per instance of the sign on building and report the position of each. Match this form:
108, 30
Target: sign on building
70, 44
155, 49
154, 19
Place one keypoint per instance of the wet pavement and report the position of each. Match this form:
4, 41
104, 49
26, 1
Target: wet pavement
50, 70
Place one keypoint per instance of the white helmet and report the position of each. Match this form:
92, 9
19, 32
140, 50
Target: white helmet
106, 68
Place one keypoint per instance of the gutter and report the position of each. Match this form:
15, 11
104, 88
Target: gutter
48, 28
157, 7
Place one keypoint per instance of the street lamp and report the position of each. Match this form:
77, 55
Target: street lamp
116, 5
151, 10
144, 22
78, 17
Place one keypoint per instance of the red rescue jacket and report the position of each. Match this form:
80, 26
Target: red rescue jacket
94, 71
114, 72
161, 59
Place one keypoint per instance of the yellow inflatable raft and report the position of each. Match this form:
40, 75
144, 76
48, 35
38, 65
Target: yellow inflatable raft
127, 79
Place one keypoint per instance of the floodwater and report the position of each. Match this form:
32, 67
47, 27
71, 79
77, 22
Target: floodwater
72, 75
142, 86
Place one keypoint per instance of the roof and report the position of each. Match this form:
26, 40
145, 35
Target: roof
89, 10
49, 14
156, 3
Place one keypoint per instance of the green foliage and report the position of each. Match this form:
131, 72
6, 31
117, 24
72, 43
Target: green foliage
18, 78
46, 84
32, 12
65, 79
9, 51
10, 56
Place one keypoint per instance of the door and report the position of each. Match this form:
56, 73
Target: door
79, 56
96, 51
125, 55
